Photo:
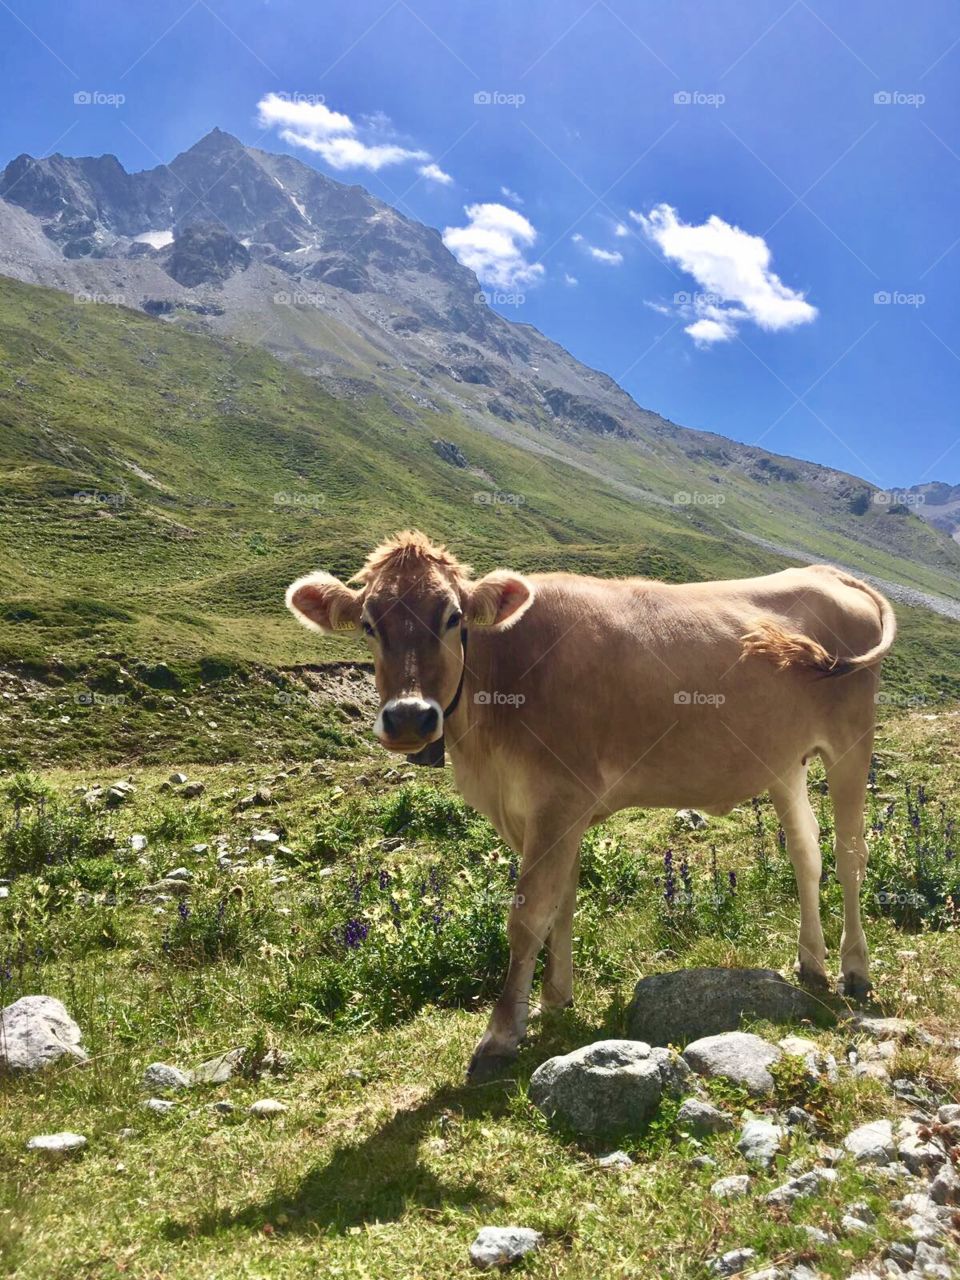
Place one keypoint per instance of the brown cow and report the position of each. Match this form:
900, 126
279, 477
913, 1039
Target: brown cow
563, 699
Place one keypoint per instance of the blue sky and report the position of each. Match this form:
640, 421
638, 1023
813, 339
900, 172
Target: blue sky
769, 210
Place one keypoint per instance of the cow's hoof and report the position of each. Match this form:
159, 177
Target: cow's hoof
811, 978
485, 1067
855, 986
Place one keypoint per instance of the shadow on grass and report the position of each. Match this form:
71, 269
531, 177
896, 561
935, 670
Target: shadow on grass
378, 1178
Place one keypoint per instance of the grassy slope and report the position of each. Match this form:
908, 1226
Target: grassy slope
385, 1164
210, 474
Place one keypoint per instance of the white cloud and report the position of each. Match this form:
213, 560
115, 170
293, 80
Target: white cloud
732, 268
494, 244
611, 257
511, 195
570, 280
621, 230
333, 135
435, 174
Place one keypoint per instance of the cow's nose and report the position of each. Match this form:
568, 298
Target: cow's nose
409, 718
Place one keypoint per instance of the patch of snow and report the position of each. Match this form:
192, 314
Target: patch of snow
156, 239
300, 209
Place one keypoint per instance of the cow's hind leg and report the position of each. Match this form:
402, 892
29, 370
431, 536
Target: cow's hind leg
847, 780
799, 823
542, 891
557, 990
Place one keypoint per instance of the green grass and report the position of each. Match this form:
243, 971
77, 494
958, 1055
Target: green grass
368, 950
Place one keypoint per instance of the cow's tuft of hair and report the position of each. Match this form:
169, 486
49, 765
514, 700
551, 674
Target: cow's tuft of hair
407, 549
784, 648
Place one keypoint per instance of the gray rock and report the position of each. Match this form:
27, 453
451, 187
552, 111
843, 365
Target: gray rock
855, 1226
807, 1184
945, 1187
36, 1031
160, 1105
192, 790
267, 1108
818, 1239
728, 1264
925, 1229
220, 1069
162, 1078
929, 1255
732, 1188
802, 1272
949, 1114
901, 1253
178, 873
222, 1107
871, 1143
675, 1076
178, 888
615, 1162
759, 1142
499, 1246
703, 1162
178, 779
880, 1028
769, 1273
797, 1118
607, 1087
738, 1056
57, 1144
690, 818
702, 1118
674, 1008
917, 1154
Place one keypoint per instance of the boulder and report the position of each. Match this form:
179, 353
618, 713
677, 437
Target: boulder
36, 1031
737, 1056
674, 1008
871, 1143
159, 1077
499, 1246
608, 1087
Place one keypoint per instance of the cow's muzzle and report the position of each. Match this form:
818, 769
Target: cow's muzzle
409, 724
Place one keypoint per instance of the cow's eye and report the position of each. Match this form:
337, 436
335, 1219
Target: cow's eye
454, 620
367, 629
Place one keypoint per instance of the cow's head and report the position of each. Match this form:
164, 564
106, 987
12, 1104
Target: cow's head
414, 606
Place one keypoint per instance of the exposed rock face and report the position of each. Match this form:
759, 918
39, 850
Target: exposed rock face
674, 1008
204, 253
36, 1031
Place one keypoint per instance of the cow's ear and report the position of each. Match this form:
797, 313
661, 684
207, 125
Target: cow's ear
322, 603
498, 600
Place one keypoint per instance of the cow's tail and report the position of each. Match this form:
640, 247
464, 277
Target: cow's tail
770, 639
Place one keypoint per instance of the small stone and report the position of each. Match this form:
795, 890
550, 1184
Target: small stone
160, 1105
807, 1184
193, 790
880, 1028
499, 1246
163, 1078
616, 1161
178, 779
220, 1069
917, 1154
802, 1272
871, 1143
949, 1114
945, 1187
138, 843
264, 839
818, 1238
737, 1056
901, 1253
853, 1226
702, 1118
127, 1134
929, 1255
860, 1209
690, 818
759, 1142
797, 1118
732, 1188
178, 873
57, 1144
222, 1107
267, 1108
703, 1162
728, 1264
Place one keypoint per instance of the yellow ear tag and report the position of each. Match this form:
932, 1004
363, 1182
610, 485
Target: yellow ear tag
483, 619
344, 624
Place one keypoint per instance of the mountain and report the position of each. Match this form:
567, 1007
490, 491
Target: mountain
938, 504
242, 245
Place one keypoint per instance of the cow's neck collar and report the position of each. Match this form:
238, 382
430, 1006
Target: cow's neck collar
434, 753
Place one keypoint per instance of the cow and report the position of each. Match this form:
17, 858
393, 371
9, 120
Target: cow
563, 698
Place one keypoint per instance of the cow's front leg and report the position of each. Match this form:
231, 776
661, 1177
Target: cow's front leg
549, 865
